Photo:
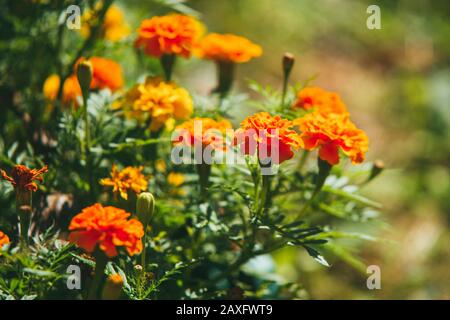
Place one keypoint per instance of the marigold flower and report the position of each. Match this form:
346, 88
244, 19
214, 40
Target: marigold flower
107, 227
3, 239
205, 131
315, 97
262, 132
130, 178
170, 34
106, 73
22, 178
158, 102
228, 48
114, 27
330, 133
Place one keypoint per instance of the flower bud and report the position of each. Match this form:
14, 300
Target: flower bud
377, 167
84, 74
113, 287
288, 63
145, 206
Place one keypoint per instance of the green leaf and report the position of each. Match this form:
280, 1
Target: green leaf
316, 255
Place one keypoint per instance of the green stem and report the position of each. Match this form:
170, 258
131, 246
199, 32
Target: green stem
204, 171
167, 63
100, 263
23, 208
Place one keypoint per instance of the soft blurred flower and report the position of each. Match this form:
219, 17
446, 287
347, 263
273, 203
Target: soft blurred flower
71, 89
170, 34
113, 287
227, 48
205, 131
262, 132
3, 239
160, 165
330, 133
130, 178
324, 101
158, 102
114, 27
175, 179
22, 178
108, 228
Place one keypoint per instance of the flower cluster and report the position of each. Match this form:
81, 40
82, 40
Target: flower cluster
114, 27
331, 133
272, 136
158, 102
106, 74
107, 227
130, 178
171, 34
23, 178
227, 48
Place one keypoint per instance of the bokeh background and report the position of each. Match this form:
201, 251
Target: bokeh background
395, 82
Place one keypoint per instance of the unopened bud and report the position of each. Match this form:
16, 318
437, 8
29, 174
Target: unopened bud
113, 287
84, 75
145, 206
288, 63
377, 167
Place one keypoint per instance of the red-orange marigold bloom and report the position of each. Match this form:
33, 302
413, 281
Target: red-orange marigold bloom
22, 178
3, 239
169, 34
228, 48
107, 227
324, 101
264, 132
205, 131
130, 178
106, 73
330, 133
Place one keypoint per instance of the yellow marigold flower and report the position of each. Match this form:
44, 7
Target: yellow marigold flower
114, 27
170, 34
51, 86
3, 239
22, 178
228, 48
107, 227
175, 179
130, 178
324, 101
262, 132
158, 102
212, 132
330, 133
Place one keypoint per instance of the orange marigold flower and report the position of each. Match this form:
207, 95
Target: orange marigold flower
268, 134
22, 178
205, 131
228, 48
315, 97
3, 239
330, 133
170, 34
108, 228
158, 102
130, 178
106, 73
